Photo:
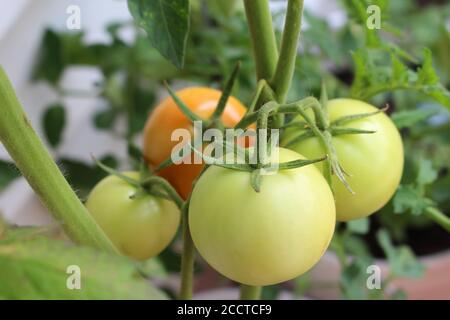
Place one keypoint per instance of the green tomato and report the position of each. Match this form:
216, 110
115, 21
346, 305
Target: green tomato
267, 237
373, 162
140, 227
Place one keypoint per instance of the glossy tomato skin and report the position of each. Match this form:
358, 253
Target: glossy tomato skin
140, 227
373, 162
267, 237
167, 117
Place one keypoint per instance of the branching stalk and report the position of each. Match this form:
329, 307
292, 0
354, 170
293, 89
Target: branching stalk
263, 37
284, 72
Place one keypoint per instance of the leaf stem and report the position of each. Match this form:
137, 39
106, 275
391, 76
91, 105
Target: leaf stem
263, 37
42, 173
439, 217
284, 72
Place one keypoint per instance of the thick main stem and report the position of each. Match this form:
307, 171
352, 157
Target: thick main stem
284, 72
41, 172
263, 37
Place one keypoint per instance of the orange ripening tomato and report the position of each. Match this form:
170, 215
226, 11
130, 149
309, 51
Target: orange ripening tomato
167, 117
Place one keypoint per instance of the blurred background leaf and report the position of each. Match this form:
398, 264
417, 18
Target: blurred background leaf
36, 268
54, 120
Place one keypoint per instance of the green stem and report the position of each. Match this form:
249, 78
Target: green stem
226, 94
284, 72
41, 172
188, 255
187, 259
259, 89
250, 292
262, 124
439, 217
167, 187
263, 37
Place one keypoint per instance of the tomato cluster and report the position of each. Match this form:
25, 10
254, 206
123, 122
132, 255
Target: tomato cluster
254, 237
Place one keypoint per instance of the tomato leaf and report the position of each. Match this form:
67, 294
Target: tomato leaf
402, 261
166, 23
50, 64
360, 226
427, 174
410, 199
105, 119
152, 268
38, 268
373, 76
54, 120
353, 279
408, 118
8, 172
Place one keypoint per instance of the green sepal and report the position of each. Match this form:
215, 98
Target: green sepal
183, 107
337, 131
353, 117
226, 93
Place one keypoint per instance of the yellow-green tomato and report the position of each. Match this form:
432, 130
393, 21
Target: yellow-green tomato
267, 237
373, 162
140, 227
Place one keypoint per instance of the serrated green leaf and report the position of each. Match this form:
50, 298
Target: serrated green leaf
373, 76
408, 118
166, 23
38, 269
402, 261
426, 74
410, 199
399, 70
427, 174
54, 120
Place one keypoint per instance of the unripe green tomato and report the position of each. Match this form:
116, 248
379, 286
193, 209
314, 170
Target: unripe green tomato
139, 227
373, 162
267, 237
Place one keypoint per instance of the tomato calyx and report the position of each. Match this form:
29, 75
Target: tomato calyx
214, 120
324, 130
147, 184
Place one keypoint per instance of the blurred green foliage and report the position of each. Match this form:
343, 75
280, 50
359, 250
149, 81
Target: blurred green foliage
406, 64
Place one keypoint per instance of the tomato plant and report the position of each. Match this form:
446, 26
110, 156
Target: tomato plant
267, 237
140, 225
167, 117
254, 228
373, 162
